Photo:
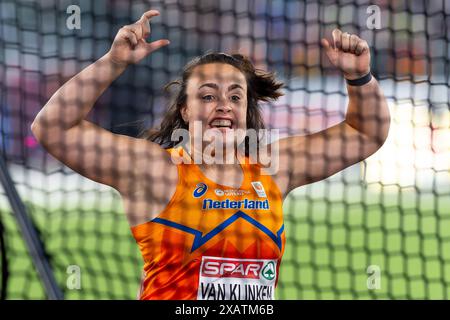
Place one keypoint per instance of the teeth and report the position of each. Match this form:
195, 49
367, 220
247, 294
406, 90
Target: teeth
221, 123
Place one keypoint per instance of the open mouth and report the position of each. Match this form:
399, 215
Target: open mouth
221, 123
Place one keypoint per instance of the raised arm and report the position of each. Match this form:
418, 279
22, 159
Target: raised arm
88, 149
310, 158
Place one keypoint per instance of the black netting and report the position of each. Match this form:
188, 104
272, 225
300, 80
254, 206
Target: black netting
390, 212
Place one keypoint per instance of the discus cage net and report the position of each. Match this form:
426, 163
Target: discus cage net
389, 213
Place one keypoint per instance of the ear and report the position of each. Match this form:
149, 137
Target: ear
185, 114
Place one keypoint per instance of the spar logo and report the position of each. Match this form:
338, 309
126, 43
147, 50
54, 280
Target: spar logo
238, 268
268, 272
200, 190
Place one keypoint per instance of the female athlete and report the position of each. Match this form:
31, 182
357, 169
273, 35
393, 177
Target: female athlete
208, 229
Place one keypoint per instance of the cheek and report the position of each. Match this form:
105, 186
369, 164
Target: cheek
243, 116
200, 116
197, 111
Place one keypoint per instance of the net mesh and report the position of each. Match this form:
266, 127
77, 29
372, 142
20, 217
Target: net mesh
389, 213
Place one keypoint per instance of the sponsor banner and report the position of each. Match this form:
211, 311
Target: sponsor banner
236, 279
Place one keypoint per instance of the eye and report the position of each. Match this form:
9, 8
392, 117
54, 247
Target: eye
208, 97
235, 98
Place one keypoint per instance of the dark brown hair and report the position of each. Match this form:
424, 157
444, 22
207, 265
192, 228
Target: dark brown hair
261, 86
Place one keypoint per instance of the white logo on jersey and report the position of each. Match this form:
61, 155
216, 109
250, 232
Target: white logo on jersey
259, 188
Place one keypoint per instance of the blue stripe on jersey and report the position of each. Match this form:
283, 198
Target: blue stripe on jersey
200, 240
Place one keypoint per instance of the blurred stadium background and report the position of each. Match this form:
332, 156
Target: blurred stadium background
392, 210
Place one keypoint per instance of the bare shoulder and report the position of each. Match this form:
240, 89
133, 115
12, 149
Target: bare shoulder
149, 190
147, 164
272, 163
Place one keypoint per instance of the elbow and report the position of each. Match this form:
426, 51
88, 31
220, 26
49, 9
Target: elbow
385, 126
380, 127
379, 139
33, 126
388, 126
385, 122
35, 129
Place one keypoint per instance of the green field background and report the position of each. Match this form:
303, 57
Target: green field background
330, 244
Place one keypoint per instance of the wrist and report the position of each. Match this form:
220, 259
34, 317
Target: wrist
356, 75
116, 65
359, 80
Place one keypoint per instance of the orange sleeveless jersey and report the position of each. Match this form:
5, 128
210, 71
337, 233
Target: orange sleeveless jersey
214, 242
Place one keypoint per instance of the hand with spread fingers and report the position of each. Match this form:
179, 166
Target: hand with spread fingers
349, 53
130, 45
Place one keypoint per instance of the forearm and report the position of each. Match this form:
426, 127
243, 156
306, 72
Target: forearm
368, 111
74, 100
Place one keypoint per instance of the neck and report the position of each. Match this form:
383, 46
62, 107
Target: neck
208, 156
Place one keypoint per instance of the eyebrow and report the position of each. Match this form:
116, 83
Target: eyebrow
215, 86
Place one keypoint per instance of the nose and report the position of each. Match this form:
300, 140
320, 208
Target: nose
223, 105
